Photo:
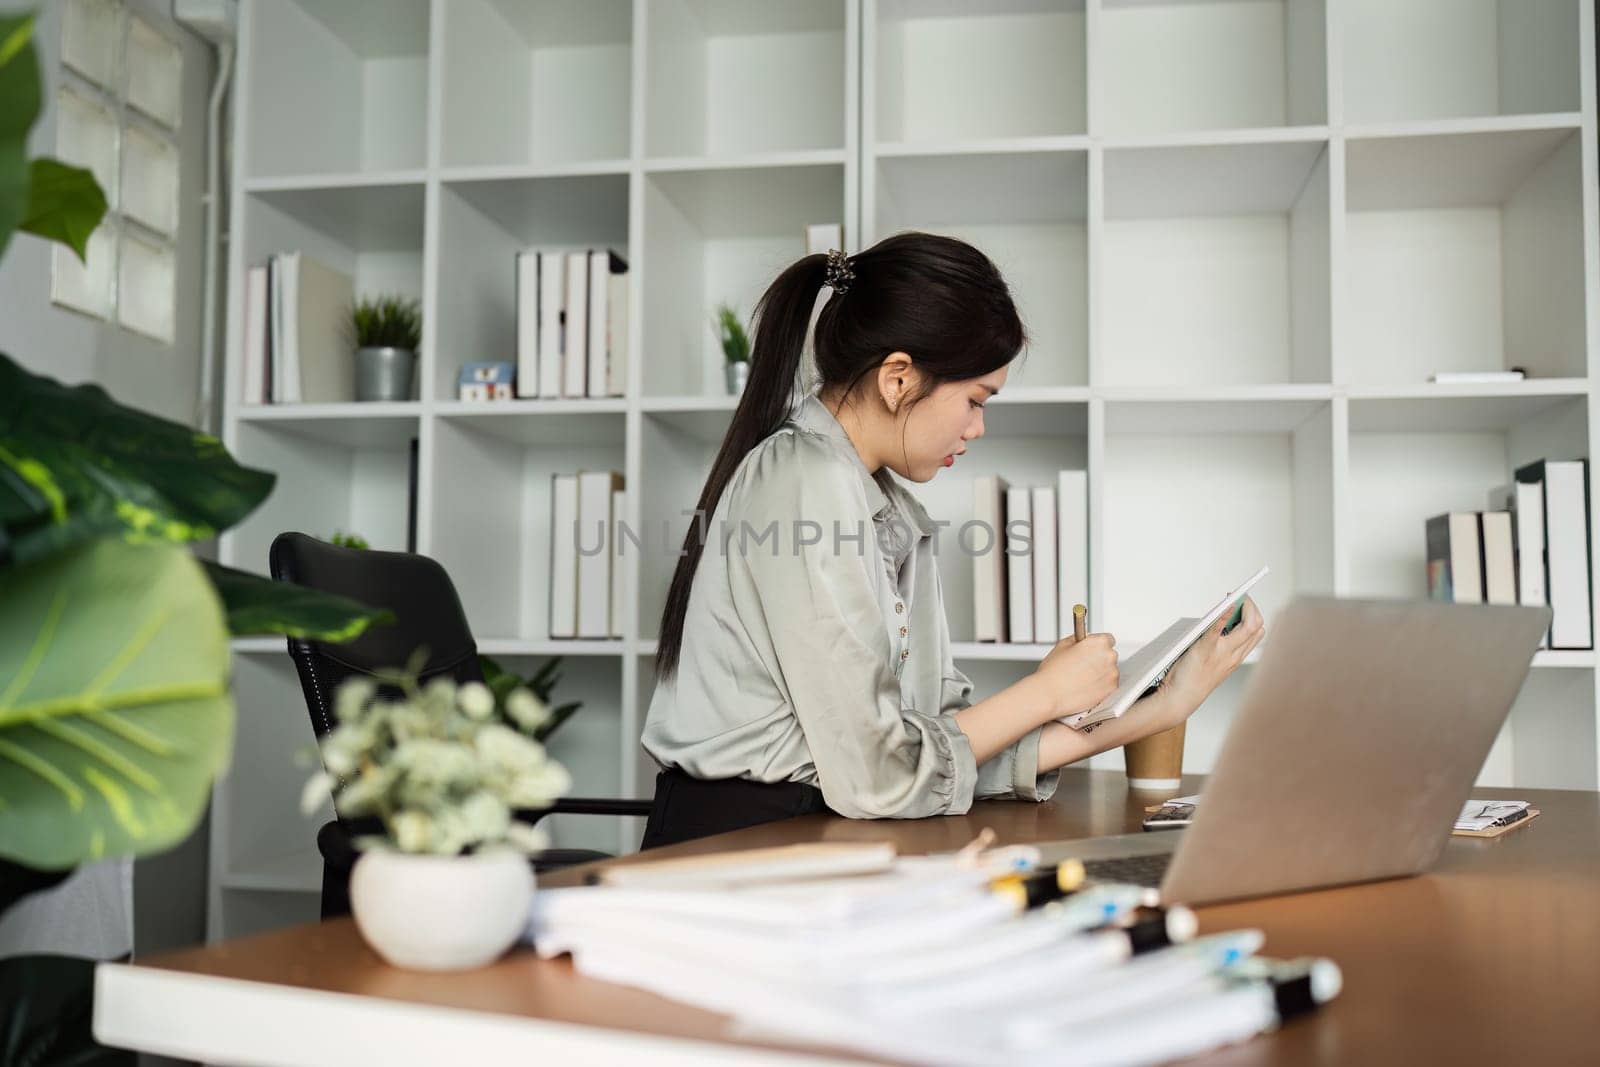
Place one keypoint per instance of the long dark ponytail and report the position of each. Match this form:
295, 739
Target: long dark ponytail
938, 299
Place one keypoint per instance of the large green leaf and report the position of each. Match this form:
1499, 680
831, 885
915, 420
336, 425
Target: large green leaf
114, 706
76, 465
19, 108
65, 204
257, 605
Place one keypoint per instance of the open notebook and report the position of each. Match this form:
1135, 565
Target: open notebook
1145, 668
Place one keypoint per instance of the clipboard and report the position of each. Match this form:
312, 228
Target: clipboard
1498, 831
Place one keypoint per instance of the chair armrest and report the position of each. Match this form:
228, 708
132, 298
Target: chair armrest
585, 806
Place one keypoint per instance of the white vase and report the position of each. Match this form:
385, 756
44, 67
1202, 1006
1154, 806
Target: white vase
441, 913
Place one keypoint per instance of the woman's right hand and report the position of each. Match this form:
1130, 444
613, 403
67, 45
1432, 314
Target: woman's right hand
1079, 674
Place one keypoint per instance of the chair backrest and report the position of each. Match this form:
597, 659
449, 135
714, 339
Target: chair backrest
427, 613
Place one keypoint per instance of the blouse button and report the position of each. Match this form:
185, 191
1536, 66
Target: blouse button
904, 630
906, 653
899, 607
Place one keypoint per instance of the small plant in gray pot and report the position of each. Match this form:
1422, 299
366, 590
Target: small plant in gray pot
735, 348
386, 331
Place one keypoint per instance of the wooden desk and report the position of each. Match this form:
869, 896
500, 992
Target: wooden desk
1494, 957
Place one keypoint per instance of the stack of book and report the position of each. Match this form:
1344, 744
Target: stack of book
586, 587
296, 332
572, 323
938, 959
1530, 547
1035, 566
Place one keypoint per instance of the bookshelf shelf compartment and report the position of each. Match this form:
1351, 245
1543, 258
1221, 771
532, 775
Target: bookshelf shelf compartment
1222, 279
1411, 460
1273, 488
734, 77
357, 72
483, 225
1434, 59
360, 485
490, 520
541, 83
1027, 211
713, 236
953, 72
1211, 65
1464, 252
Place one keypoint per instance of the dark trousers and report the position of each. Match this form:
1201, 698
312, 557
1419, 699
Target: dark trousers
686, 808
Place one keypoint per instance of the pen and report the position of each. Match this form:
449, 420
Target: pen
1152, 978
1041, 886
1247, 999
1080, 622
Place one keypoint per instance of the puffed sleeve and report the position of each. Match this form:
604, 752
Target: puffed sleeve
1014, 770
829, 648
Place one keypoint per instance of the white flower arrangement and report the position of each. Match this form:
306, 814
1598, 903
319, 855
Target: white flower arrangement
443, 766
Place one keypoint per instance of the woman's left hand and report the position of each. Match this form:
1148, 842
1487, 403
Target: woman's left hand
1210, 660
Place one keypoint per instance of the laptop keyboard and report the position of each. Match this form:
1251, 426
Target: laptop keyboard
1130, 870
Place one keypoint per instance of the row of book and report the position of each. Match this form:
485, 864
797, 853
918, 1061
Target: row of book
587, 593
1036, 564
572, 323
1530, 547
296, 332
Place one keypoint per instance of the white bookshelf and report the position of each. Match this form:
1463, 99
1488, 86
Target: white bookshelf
1241, 234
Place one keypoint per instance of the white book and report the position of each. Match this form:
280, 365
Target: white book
575, 365
1072, 544
323, 370
989, 567
1455, 558
617, 330
1046, 620
1142, 670
820, 237
595, 489
1531, 588
527, 267
563, 555
1019, 564
276, 332
1566, 538
253, 362
1499, 563
1476, 377
619, 512
604, 265
552, 334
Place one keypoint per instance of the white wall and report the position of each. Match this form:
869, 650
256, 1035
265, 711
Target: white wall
89, 915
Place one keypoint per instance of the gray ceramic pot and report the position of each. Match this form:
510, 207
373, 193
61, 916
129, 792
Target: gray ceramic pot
736, 374
384, 373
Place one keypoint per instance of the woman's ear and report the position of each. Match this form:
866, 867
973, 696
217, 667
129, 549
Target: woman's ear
896, 377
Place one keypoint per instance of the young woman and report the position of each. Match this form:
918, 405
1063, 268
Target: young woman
804, 662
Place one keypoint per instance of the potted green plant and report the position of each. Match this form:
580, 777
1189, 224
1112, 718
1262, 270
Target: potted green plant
386, 331
446, 885
735, 348
117, 714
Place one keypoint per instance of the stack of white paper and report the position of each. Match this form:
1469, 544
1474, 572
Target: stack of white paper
924, 962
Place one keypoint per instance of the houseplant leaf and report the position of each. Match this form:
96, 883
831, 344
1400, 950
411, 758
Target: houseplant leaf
19, 108
76, 465
114, 706
257, 605
65, 204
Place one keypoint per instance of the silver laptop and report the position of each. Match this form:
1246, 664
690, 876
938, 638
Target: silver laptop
1354, 748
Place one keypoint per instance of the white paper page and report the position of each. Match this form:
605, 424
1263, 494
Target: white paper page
1142, 669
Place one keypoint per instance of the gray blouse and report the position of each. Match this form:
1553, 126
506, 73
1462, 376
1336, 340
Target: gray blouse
815, 646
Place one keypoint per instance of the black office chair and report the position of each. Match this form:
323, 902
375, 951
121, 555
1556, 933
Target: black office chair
427, 613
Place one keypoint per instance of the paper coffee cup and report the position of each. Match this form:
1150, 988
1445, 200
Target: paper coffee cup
1156, 762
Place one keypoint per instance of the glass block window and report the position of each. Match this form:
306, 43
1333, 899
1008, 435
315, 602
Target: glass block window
119, 105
